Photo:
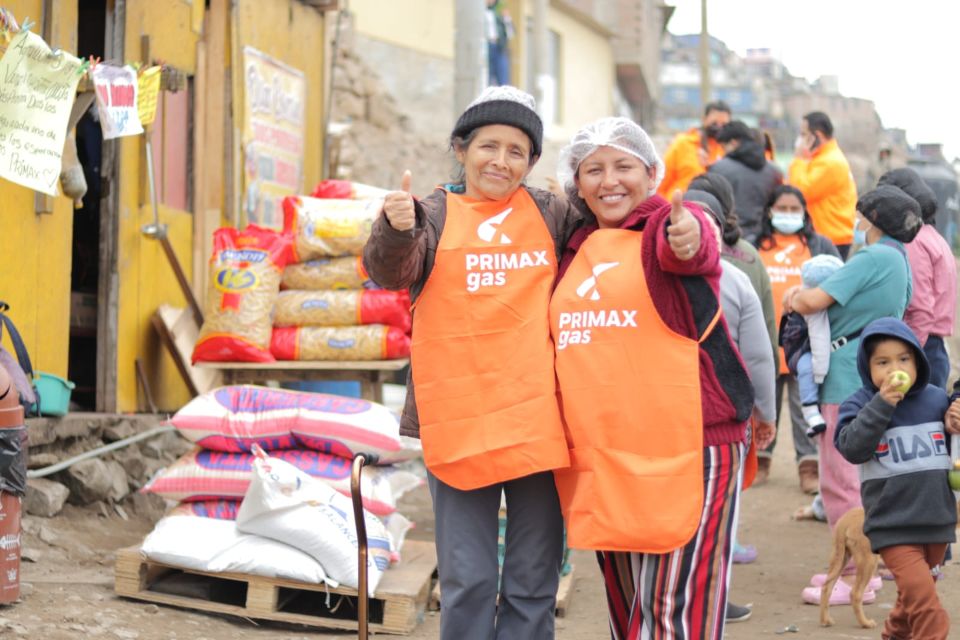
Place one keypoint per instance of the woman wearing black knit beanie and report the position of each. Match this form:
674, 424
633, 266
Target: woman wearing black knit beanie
480, 258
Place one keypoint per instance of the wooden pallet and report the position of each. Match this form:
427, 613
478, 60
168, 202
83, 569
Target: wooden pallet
397, 607
564, 591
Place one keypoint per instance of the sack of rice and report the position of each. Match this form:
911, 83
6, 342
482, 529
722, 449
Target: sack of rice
367, 342
342, 308
202, 475
327, 273
347, 189
245, 272
236, 417
286, 505
324, 228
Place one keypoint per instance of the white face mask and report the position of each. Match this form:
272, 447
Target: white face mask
786, 222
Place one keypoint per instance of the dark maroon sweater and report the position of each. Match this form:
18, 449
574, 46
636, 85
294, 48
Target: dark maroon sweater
685, 294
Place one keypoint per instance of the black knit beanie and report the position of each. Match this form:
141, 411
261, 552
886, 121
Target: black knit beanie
914, 186
502, 105
892, 211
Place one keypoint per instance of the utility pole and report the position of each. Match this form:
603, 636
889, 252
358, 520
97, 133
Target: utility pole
470, 62
704, 55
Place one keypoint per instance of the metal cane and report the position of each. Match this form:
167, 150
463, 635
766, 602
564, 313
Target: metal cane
358, 462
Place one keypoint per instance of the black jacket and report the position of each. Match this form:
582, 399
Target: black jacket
753, 179
902, 452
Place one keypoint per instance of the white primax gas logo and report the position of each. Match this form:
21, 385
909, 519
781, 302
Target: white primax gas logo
590, 284
574, 327
489, 228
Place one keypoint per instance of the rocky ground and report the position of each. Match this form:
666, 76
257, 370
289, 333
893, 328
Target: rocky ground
69, 558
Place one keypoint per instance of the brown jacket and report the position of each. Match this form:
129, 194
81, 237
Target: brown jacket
404, 259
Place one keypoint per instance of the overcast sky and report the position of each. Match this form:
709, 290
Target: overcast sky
904, 55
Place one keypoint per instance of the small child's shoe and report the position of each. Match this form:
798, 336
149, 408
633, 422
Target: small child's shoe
820, 579
815, 428
839, 596
744, 554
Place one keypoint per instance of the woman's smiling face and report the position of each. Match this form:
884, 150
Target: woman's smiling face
613, 183
495, 162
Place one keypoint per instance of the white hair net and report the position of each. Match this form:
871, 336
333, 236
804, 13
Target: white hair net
622, 134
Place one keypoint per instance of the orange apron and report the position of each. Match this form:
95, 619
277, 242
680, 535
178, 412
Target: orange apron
630, 395
481, 354
783, 266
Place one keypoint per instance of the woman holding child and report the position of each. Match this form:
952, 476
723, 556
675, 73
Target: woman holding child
874, 283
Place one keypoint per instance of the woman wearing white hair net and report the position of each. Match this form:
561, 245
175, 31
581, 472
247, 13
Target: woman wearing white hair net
654, 395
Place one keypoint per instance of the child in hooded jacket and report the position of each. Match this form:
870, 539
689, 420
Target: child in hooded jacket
899, 439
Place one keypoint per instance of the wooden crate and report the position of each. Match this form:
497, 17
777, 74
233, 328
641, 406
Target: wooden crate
397, 607
564, 591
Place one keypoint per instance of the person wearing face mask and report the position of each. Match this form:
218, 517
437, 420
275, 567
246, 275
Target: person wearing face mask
875, 283
932, 310
787, 239
655, 396
752, 176
693, 151
480, 258
822, 173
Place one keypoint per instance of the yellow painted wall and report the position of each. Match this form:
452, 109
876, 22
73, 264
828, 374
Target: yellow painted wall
35, 250
422, 25
145, 277
589, 74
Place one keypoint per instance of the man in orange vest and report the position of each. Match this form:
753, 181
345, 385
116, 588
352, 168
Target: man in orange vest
693, 151
822, 173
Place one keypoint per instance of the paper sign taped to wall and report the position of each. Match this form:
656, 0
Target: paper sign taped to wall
37, 90
147, 92
116, 89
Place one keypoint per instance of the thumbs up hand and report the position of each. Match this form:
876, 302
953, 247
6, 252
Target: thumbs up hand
683, 233
398, 206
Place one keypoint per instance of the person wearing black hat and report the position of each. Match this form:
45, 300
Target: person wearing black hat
874, 283
480, 258
752, 176
931, 313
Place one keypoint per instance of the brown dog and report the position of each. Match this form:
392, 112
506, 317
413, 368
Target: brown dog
849, 541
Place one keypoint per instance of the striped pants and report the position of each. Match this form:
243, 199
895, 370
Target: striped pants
681, 595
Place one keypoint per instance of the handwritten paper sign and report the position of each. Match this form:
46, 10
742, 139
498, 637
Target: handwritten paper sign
116, 89
273, 136
147, 92
37, 90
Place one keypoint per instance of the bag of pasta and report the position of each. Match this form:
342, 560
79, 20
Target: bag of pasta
327, 273
369, 342
347, 189
245, 272
324, 228
342, 308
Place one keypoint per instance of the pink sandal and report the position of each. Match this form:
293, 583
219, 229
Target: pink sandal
840, 596
820, 579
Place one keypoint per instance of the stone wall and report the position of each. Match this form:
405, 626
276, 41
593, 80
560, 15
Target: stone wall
381, 139
110, 479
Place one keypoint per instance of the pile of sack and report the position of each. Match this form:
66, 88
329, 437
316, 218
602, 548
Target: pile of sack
328, 308
272, 467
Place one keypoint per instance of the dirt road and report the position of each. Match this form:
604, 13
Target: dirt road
70, 584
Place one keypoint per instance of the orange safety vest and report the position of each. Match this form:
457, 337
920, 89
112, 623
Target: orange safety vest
630, 393
783, 266
481, 354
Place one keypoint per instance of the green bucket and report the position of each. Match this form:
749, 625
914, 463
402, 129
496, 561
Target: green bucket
54, 393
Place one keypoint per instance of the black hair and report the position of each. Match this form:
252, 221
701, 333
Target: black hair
765, 239
871, 343
716, 105
819, 121
735, 130
721, 189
